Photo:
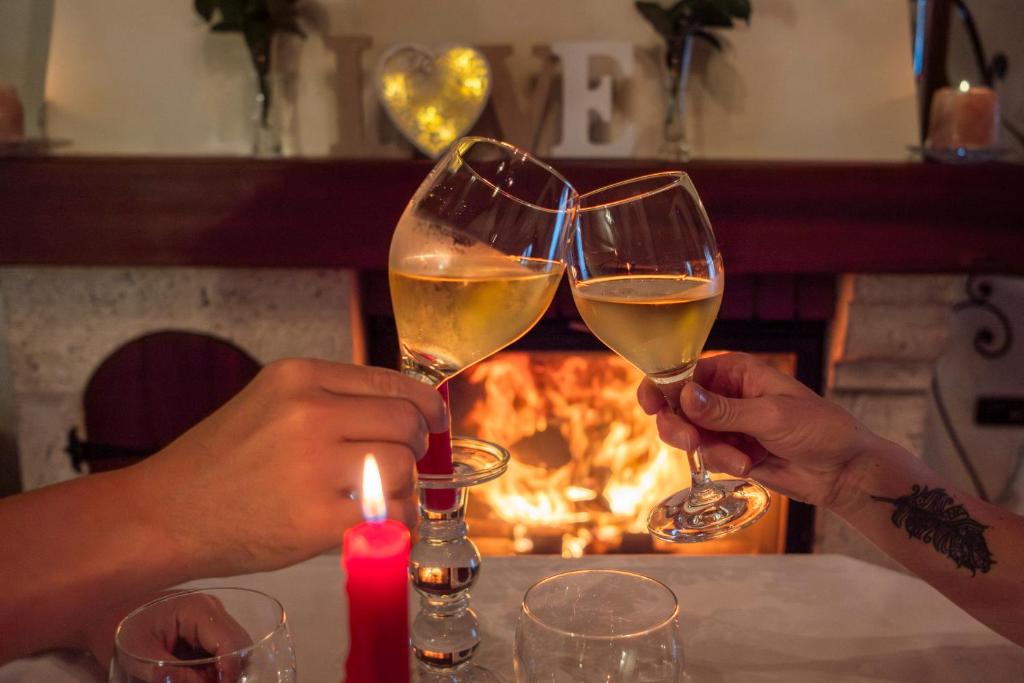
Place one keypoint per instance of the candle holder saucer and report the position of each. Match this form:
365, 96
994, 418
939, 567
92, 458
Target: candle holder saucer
959, 155
444, 564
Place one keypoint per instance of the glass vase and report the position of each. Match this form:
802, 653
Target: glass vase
273, 103
675, 143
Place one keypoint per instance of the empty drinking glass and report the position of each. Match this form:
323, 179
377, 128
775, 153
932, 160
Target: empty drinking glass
598, 625
217, 634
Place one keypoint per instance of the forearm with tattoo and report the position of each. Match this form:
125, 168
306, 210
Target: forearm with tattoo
932, 516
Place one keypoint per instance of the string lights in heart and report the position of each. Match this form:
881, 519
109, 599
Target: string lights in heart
433, 99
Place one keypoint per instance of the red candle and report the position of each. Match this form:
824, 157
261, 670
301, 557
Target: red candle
438, 460
376, 559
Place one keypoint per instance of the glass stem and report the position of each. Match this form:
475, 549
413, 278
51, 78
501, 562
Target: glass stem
703, 491
423, 373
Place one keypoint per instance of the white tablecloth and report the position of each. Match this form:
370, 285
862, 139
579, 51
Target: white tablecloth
766, 618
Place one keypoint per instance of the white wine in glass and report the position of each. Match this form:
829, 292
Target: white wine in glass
658, 323
476, 256
647, 279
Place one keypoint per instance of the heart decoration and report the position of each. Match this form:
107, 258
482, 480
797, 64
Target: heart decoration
433, 98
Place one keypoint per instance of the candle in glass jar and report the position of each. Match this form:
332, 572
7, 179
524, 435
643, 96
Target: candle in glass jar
376, 559
965, 117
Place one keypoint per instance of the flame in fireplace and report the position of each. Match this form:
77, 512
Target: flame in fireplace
586, 459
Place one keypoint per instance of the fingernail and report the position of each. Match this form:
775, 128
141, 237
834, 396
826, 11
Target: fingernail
738, 465
700, 396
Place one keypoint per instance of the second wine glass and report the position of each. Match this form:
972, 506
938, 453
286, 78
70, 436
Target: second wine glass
477, 256
647, 278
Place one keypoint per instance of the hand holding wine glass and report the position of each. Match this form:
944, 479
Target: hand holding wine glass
647, 278
751, 419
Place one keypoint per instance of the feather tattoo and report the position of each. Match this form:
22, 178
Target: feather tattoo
931, 516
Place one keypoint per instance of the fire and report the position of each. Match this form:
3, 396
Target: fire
586, 458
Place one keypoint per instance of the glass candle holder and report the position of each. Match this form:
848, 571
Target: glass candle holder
444, 564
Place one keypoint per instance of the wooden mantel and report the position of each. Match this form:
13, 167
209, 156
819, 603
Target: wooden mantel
770, 217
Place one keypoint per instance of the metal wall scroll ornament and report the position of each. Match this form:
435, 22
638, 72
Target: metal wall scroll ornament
433, 98
989, 342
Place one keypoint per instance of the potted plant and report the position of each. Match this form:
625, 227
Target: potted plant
679, 25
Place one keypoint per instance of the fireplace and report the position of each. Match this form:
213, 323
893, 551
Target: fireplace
586, 462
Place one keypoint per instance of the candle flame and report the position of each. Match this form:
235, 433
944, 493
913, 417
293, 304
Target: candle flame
964, 86
374, 507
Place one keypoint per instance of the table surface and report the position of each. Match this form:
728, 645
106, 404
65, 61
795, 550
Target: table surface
762, 618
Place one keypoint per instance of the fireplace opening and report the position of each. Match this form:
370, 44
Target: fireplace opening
587, 464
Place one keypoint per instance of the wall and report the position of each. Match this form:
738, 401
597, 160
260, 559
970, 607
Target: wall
24, 46
888, 332
61, 323
808, 79
964, 373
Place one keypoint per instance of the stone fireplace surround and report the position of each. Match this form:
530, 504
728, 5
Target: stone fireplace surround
66, 305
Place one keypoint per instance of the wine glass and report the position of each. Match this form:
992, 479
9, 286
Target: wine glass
647, 279
476, 256
221, 634
598, 625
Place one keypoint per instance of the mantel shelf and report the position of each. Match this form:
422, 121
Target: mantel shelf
770, 217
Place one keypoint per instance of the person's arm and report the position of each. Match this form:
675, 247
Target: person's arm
969, 550
754, 421
262, 483
72, 551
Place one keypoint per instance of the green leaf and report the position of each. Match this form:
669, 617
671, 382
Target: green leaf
289, 25
255, 10
739, 9
258, 35
226, 27
284, 16
232, 12
658, 17
709, 37
205, 9
712, 13
682, 14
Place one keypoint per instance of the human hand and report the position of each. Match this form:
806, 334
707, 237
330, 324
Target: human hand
176, 626
752, 420
266, 480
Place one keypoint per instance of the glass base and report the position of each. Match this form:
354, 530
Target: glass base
675, 521
465, 674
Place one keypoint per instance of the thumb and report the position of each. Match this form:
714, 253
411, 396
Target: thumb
718, 413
